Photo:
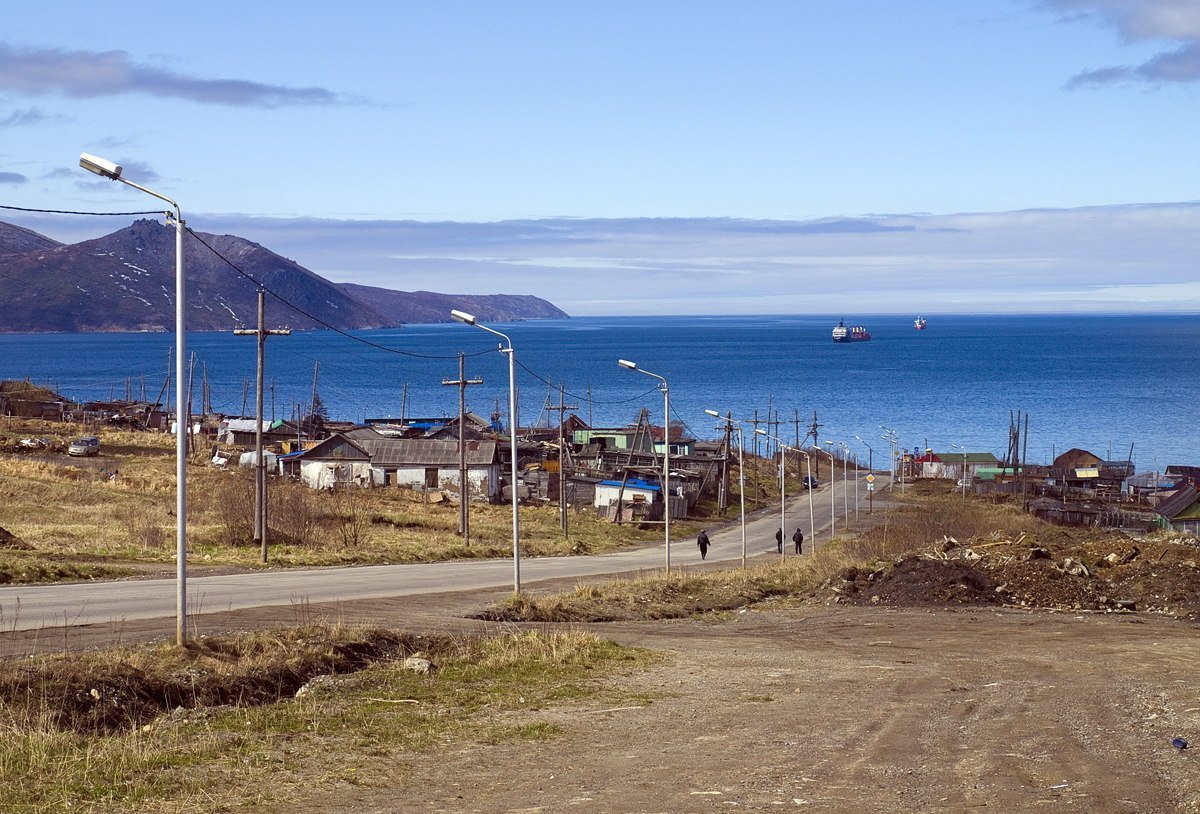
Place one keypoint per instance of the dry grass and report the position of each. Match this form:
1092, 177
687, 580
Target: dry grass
68, 510
116, 730
925, 516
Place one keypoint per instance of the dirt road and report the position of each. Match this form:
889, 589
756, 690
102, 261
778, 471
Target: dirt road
853, 710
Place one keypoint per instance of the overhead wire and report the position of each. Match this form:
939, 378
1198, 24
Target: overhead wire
74, 212
264, 287
317, 319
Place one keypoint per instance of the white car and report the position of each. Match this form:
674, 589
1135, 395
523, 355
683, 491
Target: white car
84, 446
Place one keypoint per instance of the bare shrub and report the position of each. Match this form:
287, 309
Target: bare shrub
234, 507
140, 526
352, 518
294, 513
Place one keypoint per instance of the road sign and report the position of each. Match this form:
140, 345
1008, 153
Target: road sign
870, 478
870, 487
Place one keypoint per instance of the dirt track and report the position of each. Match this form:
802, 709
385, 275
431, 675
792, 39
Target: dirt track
853, 710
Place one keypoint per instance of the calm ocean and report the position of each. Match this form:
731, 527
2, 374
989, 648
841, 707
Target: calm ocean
1103, 383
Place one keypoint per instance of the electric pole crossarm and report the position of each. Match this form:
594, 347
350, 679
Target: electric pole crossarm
260, 466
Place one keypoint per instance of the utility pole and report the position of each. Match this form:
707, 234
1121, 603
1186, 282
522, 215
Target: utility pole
167, 386
191, 379
813, 432
562, 407
723, 494
312, 405
755, 423
260, 466
464, 522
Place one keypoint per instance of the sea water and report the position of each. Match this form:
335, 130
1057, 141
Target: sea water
1109, 384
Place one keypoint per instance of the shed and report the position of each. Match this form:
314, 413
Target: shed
1181, 511
433, 464
336, 461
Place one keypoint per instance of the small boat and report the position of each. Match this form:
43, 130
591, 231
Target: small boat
919, 323
854, 333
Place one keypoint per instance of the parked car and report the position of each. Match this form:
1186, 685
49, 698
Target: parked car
84, 446
810, 482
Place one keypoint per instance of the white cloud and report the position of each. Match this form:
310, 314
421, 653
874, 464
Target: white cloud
86, 74
1135, 257
1176, 21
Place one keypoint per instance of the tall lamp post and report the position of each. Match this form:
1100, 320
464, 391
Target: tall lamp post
812, 523
782, 487
107, 169
832, 500
963, 475
870, 471
741, 473
469, 319
890, 437
845, 480
666, 475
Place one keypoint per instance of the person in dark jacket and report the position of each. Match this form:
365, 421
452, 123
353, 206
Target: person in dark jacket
779, 540
798, 539
703, 543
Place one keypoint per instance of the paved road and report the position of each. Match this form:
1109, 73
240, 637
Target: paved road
33, 607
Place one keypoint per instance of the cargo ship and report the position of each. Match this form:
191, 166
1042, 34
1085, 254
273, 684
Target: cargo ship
919, 323
855, 333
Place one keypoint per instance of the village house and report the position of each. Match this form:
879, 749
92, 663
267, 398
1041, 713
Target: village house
363, 457
241, 432
420, 463
953, 465
1181, 511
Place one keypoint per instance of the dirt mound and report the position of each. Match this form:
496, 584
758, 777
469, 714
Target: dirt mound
11, 541
1106, 573
917, 581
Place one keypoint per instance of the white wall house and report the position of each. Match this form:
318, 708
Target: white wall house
420, 463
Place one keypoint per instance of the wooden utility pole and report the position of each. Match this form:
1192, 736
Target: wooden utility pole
167, 386
562, 408
723, 492
643, 420
260, 465
188, 416
755, 423
464, 520
813, 432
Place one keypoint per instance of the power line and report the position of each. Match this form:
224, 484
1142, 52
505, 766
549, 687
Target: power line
549, 383
73, 212
317, 319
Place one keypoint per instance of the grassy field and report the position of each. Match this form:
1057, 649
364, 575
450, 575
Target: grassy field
72, 519
927, 513
219, 726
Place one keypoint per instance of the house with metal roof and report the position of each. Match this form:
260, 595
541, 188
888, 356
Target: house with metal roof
952, 464
421, 463
366, 458
1181, 511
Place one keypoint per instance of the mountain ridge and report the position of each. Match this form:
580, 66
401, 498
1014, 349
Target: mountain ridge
125, 281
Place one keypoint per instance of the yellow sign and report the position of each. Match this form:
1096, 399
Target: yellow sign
870, 478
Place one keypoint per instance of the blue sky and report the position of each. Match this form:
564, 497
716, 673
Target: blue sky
665, 157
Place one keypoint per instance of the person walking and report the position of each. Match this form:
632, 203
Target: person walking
798, 539
703, 543
779, 540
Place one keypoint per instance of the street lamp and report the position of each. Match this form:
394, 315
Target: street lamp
845, 480
812, 523
963, 475
741, 474
832, 501
666, 476
107, 169
870, 472
469, 319
890, 437
782, 487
